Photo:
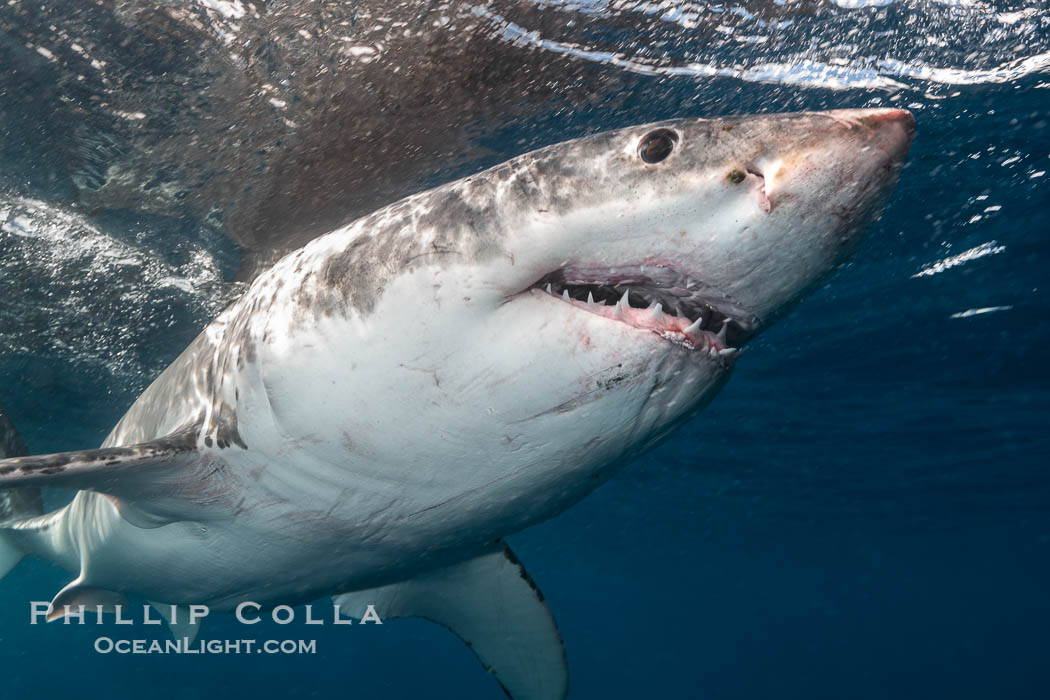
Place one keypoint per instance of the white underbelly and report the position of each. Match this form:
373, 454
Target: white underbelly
268, 552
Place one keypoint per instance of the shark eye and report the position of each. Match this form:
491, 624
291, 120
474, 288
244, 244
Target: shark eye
657, 145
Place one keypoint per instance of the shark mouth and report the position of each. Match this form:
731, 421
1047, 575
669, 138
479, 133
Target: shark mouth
675, 306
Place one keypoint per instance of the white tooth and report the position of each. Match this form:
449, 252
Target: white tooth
565, 294
695, 327
549, 290
625, 301
618, 311
656, 313
728, 352
722, 331
590, 299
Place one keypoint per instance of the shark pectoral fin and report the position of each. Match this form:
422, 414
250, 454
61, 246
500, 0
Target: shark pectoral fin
179, 621
76, 596
491, 604
111, 470
139, 517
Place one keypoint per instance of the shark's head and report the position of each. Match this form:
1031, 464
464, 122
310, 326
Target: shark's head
701, 231
516, 334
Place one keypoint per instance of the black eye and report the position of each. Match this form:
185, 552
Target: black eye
657, 145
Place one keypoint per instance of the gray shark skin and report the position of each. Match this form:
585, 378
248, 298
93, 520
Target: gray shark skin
517, 336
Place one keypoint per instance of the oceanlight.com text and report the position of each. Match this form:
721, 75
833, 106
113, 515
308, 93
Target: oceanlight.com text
107, 645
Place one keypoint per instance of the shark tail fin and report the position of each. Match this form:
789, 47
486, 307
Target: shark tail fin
491, 603
15, 504
10, 554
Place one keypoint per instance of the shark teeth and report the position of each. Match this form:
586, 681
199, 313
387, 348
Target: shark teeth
671, 303
678, 329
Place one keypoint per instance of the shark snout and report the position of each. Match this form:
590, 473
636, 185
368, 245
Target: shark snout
895, 128
848, 158
815, 182
888, 131
814, 160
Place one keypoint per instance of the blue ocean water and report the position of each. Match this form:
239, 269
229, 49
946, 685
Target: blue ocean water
863, 512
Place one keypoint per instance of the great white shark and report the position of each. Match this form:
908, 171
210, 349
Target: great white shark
387, 403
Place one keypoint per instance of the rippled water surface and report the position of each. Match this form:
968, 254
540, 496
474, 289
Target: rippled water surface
863, 512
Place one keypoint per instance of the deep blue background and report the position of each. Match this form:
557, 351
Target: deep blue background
863, 512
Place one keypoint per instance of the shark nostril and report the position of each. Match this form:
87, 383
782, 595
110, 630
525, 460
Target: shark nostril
736, 176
